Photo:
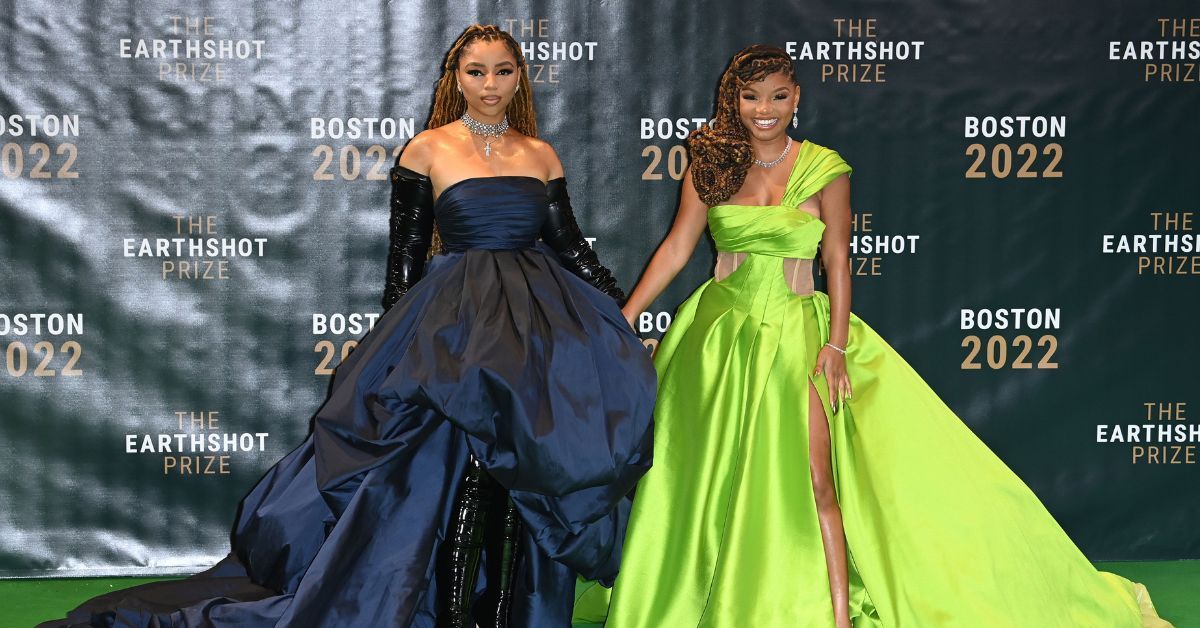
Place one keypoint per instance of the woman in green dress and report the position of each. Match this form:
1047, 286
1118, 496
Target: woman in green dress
904, 517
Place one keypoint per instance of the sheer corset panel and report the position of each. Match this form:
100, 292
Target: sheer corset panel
797, 272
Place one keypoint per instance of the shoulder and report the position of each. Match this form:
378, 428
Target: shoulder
546, 155
429, 146
825, 157
418, 152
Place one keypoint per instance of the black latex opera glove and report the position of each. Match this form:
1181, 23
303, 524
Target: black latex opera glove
410, 232
562, 233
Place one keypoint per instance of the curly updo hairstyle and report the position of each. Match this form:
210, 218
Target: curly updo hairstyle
720, 152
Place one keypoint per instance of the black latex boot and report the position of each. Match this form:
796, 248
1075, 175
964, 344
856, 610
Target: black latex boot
504, 557
458, 566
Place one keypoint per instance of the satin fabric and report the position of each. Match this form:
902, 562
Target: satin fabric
724, 530
498, 352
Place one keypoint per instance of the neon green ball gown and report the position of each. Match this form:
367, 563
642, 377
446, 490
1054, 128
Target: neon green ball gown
724, 530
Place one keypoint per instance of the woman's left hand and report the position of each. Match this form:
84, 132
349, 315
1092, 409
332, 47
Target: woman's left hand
833, 364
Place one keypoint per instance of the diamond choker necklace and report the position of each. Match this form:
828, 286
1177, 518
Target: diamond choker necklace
489, 132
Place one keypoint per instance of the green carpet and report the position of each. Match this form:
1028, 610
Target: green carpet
1172, 585
23, 603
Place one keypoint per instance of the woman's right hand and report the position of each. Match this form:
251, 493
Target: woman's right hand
672, 254
630, 316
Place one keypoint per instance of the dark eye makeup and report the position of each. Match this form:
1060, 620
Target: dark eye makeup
749, 96
475, 72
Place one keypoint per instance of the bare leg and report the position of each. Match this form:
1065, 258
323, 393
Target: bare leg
829, 513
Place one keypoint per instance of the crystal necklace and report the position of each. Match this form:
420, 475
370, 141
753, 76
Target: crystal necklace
489, 132
778, 160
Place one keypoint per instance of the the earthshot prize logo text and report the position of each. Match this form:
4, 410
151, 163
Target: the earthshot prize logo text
546, 57
197, 447
191, 52
1172, 58
1163, 437
1170, 249
868, 247
858, 55
44, 354
195, 254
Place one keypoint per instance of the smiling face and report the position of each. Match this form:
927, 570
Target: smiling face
488, 75
765, 106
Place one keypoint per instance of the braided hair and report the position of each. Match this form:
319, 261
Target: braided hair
720, 152
449, 103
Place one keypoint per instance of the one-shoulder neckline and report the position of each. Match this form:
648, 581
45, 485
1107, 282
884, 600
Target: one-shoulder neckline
791, 173
494, 176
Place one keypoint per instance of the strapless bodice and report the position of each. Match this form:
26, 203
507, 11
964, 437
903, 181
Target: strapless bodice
774, 230
500, 212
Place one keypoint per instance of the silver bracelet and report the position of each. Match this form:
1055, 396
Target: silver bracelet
840, 350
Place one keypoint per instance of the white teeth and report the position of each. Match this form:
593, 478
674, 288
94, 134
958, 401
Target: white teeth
765, 124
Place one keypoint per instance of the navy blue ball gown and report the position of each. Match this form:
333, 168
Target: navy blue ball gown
498, 352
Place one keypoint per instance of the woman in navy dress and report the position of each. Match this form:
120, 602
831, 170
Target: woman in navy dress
478, 446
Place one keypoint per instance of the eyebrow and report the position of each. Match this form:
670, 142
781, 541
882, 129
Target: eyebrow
502, 63
749, 90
